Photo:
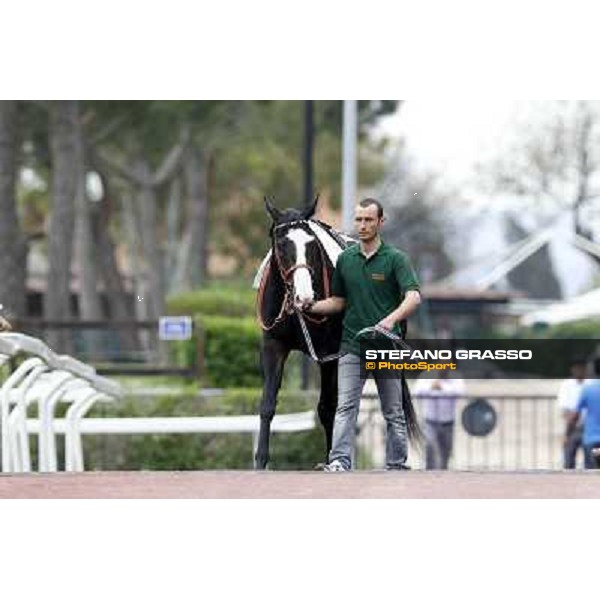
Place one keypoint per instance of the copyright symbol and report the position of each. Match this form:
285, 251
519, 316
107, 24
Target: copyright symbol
370, 366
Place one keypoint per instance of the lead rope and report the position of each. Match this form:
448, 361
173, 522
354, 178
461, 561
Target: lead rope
301, 317
396, 339
309, 344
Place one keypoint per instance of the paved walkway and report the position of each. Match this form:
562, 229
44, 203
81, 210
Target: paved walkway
249, 484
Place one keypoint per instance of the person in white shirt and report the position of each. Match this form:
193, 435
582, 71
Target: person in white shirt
568, 396
438, 398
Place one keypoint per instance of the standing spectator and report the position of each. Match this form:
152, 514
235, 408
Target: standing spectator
568, 396
439, 395
589, 401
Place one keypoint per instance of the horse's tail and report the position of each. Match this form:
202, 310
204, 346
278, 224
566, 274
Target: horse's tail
413, 428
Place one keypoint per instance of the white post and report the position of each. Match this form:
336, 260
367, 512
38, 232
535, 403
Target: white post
349, 163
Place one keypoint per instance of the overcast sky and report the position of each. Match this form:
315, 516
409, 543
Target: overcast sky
449, 135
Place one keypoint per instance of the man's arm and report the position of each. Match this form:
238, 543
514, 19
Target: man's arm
573, 416
412, 299
329, 306
572, 420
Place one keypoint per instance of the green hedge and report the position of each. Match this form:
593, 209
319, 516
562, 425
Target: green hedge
584, 329
226, 316
227, 301
231, 351
289, 451
232, 343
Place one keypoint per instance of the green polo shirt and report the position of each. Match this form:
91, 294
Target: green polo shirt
373, 287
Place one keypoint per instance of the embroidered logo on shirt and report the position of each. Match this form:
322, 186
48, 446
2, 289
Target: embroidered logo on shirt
378, 276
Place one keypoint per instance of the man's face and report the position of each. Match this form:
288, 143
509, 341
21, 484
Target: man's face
367, 222
578, 371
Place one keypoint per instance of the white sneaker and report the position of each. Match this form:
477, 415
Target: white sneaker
335, 466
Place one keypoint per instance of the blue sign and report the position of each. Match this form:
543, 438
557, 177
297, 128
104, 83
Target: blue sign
175, 328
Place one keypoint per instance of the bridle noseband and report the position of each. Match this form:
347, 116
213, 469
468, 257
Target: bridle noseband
287, 274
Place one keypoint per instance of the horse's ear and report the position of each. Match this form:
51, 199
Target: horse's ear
272, 210
310, 211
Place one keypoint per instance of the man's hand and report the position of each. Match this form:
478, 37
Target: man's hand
406, 308
328, 306
387, 323
304, 306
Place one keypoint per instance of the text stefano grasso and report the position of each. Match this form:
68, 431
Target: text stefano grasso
497, 354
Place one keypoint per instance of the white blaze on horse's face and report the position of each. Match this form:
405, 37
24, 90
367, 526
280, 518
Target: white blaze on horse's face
303, 289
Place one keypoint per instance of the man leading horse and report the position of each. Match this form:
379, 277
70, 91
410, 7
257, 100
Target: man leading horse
375, 284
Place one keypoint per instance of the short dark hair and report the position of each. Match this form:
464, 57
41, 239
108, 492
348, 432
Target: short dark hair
372, 202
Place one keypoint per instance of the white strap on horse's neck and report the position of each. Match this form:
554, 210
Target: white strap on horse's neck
331, 247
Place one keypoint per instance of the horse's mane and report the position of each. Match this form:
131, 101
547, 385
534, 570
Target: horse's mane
331, 241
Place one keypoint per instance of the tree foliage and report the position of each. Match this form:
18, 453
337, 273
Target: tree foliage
180, 180
264, 158
553, 162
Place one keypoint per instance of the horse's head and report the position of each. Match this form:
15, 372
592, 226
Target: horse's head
296, 248
290, 214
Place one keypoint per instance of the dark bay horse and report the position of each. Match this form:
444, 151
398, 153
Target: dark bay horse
299, 267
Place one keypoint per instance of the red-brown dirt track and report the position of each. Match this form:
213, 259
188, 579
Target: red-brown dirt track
303, 485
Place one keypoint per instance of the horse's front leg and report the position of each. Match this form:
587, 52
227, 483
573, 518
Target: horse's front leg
273, 355
328, 399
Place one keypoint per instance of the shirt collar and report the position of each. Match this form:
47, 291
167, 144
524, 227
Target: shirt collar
380, 249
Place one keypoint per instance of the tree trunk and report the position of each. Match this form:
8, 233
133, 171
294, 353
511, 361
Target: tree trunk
13, 247
95, 342
120, 304
175, 243
134, 244
153, 254
63, 145
196, 174
86, 252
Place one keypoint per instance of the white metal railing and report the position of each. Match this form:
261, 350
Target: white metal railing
303, 421
46, 379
